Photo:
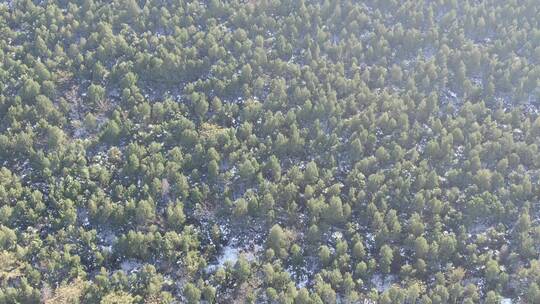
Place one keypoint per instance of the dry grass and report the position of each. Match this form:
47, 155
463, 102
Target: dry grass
70, 293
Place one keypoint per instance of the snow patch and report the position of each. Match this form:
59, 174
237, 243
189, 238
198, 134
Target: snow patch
479, 228
382, 283
230, 255
129, 266
107, 237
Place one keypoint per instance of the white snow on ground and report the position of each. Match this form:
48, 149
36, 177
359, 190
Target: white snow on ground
478, 228
78, 130
106, 248
382, 283
300, 276
337, 235
82, 214
107, 237
128, 266
370, 240
303, 282
506, 301
230, 254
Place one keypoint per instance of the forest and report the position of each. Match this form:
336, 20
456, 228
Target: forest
270, 151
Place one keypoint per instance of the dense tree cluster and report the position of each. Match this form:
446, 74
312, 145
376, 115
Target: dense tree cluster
343, 151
